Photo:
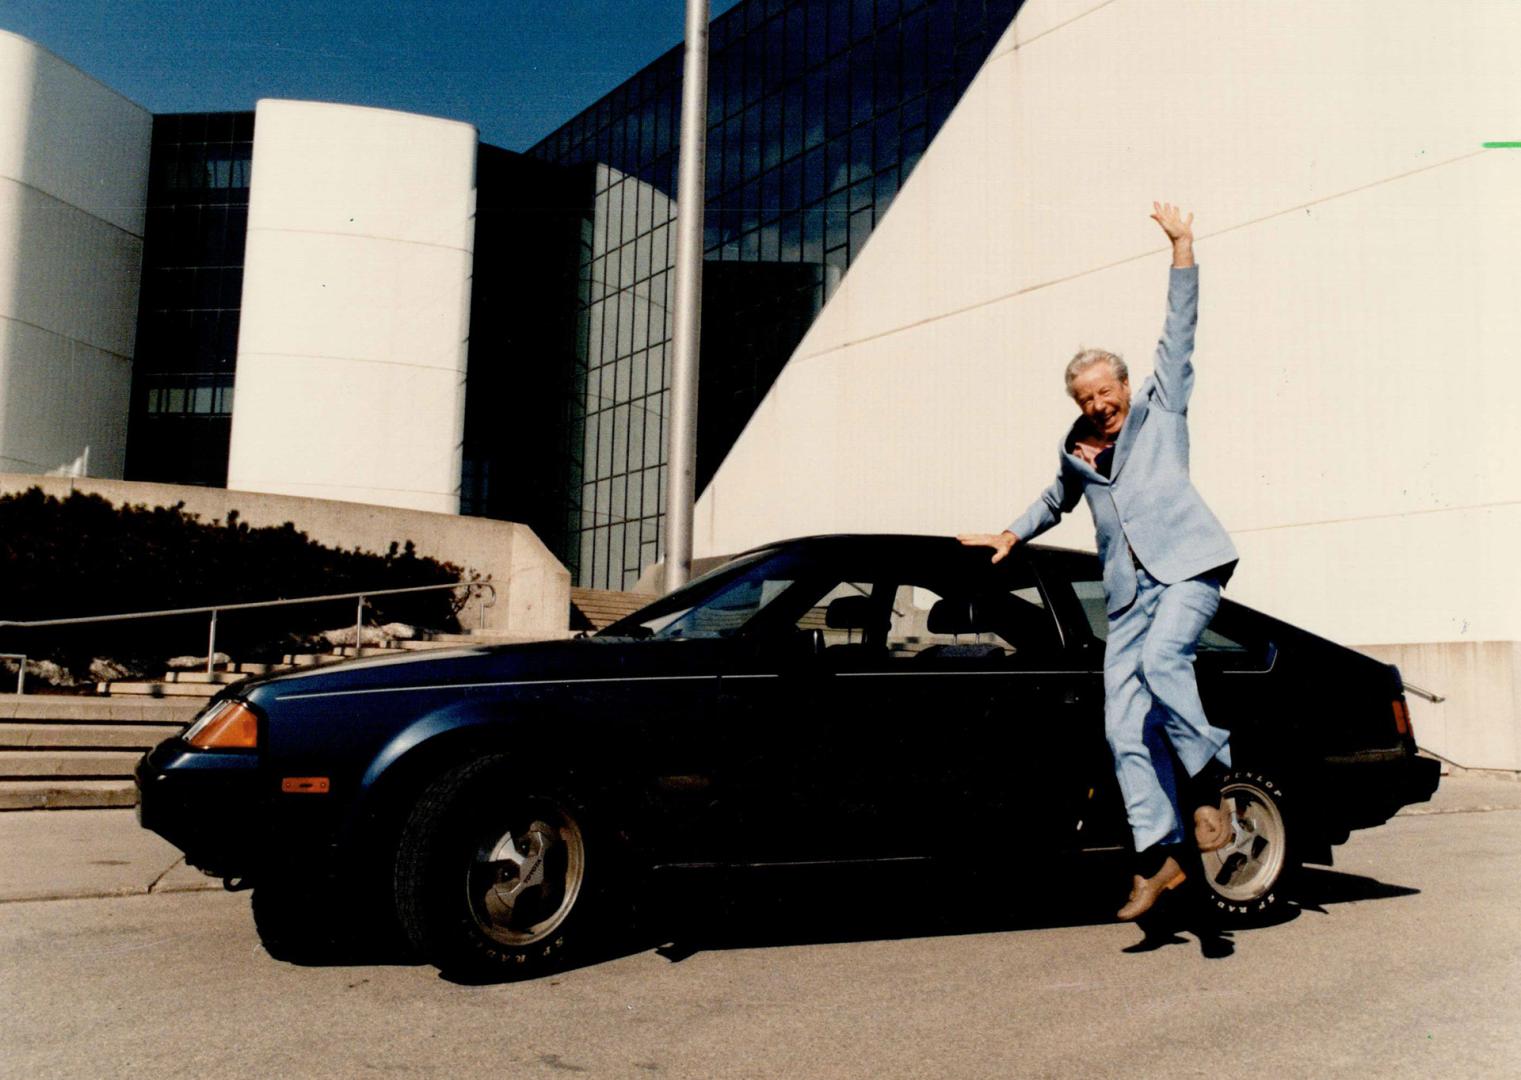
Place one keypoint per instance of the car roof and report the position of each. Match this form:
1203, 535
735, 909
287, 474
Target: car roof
883, 540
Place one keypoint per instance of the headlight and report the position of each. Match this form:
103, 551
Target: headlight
227, 725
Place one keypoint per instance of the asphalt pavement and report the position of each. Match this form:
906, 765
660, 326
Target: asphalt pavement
1402, 961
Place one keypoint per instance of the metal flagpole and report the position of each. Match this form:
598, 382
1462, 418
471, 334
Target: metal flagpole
681, 453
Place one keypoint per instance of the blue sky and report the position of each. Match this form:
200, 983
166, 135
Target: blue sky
516, 69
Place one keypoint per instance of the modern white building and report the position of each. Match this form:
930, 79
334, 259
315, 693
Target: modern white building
73, 173
1360, 318
355, 306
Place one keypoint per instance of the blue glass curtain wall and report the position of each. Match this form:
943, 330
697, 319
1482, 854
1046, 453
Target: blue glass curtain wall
818, 111
180, 417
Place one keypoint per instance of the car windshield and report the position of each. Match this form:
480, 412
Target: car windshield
719, 604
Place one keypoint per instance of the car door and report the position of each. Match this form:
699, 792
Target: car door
977, 674
897, 736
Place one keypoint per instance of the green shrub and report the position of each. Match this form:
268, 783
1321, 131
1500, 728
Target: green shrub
61, 558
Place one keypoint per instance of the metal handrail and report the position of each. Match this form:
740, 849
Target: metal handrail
214, 609
20, 659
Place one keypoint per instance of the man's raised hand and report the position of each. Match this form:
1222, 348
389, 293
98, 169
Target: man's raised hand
1001, 543
1172, 221
1178, 230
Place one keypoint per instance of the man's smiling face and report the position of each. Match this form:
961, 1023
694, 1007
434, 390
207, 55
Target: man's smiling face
1103, 398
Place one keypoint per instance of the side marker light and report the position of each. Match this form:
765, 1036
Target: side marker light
305, 785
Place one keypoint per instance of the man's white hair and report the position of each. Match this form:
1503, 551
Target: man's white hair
1086, 358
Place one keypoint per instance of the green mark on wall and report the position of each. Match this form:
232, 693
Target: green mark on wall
1502, 145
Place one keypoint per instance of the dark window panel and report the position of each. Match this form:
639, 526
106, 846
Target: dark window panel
861, 194
839, 163
815, 180
793, 112
816, 109
861, 83
771, 131
860, 229
839, 25
860, 153
795, 45
942, 40
886, 146
755, 67
749, 204
837, 119
718, 76
888, 68
914, 54
770, 194
790, 194
862, 19
887, 190
751, 163
734, 156
818, 35
836, 223
790, 237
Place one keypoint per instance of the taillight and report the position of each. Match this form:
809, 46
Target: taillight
1402, 719
228, 725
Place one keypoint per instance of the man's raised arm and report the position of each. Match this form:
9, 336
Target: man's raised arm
1173, 368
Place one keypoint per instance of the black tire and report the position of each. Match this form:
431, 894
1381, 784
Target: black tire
1248, 880
320, 921
297, 923
494, 880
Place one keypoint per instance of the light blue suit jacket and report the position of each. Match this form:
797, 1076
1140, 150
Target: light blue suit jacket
1147, 504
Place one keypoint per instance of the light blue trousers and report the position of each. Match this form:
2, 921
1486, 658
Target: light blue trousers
1150, 695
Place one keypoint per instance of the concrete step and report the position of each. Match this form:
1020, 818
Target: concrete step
215, 678
75, 764
121, 736
93, 709
594, 609
157, 689
66, 794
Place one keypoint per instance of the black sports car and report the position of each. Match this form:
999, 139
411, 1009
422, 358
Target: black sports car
832, 699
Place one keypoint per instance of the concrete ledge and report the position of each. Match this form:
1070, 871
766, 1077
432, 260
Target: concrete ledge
532, 588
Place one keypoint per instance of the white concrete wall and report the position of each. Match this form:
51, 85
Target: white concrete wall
532, 587
1353, 423
73, 178
356, 306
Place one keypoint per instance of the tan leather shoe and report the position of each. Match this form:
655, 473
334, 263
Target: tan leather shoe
1212, 827
1145, 892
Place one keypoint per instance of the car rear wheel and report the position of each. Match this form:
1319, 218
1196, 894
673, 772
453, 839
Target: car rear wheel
493, 880
1245, 881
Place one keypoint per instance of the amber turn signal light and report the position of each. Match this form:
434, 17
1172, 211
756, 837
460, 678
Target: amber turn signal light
305, 785
1402, 717
230, 726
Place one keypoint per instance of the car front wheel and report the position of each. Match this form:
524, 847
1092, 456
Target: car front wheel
493, 881
1245, 881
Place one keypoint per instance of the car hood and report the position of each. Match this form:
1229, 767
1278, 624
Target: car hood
579, 659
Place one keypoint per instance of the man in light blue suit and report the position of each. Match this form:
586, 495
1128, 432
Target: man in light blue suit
1165, 558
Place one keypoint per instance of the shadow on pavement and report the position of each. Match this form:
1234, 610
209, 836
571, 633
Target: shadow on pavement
682, 915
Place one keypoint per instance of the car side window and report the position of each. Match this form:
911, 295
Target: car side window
970, 621
846, 615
